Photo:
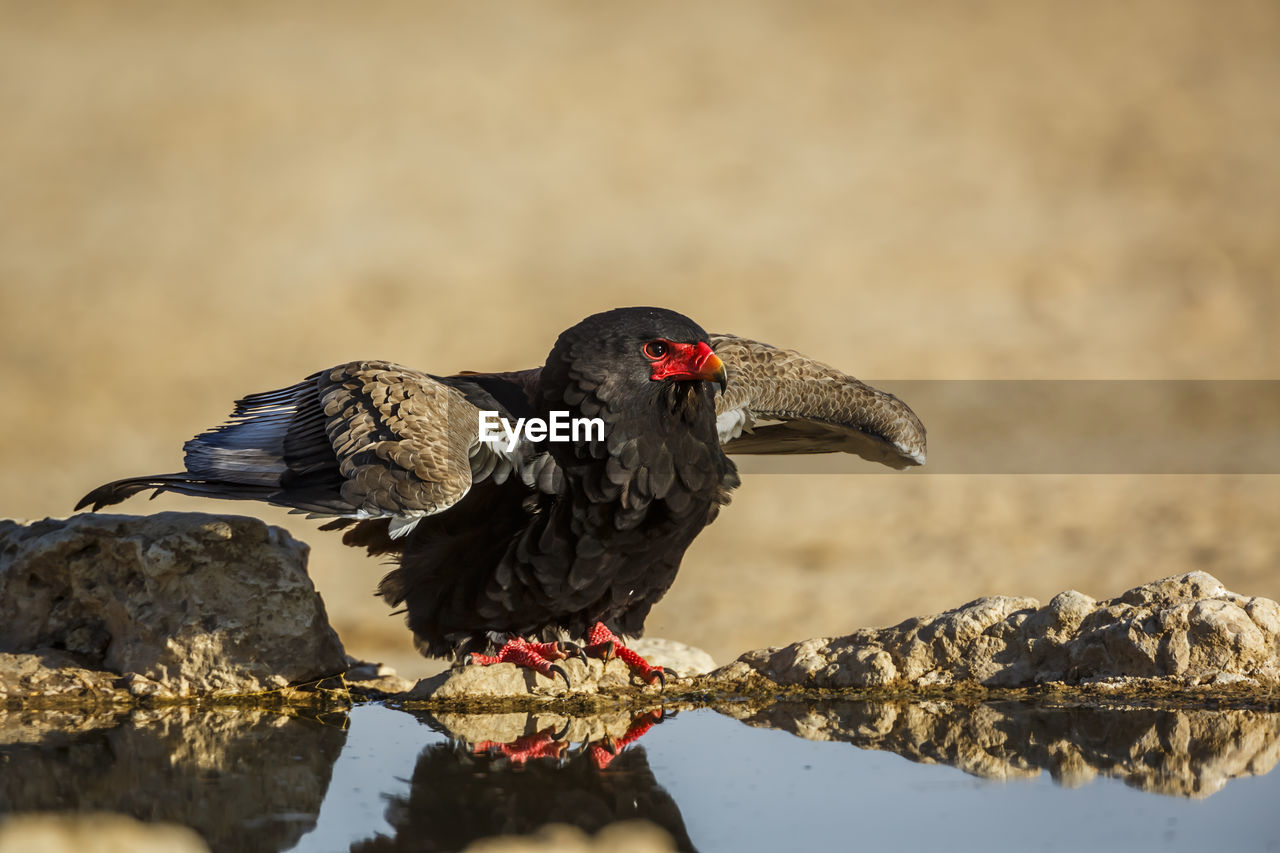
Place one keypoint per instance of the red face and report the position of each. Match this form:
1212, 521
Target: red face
685, 362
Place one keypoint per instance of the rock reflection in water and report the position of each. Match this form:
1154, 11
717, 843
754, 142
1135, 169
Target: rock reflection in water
510, 774
244, 779
1177, 752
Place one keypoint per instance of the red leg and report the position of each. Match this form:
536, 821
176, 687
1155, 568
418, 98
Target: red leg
522, 652
603, 643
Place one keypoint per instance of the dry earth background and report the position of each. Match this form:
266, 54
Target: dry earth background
203, 200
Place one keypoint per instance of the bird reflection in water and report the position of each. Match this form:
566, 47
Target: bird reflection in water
578, 772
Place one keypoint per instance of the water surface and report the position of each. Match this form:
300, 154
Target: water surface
895, 775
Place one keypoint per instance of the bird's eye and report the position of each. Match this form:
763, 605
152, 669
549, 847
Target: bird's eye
655, 350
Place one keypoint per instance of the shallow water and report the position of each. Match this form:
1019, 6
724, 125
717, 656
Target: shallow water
895, 775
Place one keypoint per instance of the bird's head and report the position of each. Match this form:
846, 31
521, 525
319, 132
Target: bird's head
635, 347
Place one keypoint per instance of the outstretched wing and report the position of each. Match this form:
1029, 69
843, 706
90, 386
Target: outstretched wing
367, 439
406, 443
779, 401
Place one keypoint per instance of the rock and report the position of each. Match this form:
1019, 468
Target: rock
631, 836
56, 675
173, 605
590, 678
683, 659
1180, 631
508, 681
101, 832
374, 680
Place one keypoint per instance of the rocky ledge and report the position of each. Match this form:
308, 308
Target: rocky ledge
171, 606
175, 606
1176, 633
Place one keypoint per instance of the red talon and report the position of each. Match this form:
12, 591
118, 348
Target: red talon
604, 644
522, 652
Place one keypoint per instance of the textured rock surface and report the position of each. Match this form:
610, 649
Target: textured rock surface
102, 832
506, 681
1186, 753
56, 675
178, 604
590, 678
1182, 631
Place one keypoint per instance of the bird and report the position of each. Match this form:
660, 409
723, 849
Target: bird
514, 545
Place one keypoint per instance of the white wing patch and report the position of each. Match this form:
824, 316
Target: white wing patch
402, 525
732, 423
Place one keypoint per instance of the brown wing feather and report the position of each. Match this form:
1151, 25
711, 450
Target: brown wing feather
403, 440
779, 401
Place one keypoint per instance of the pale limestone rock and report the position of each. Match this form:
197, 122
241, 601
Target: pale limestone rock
55, 675
178, 604
101, 832
374, 680
1179, 631
631, 836
589, 678
506, 680
683, 659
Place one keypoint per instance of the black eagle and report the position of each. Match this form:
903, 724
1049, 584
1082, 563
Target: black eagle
514, 547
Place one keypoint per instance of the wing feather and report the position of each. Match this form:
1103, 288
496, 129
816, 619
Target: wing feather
407, 443
779, 401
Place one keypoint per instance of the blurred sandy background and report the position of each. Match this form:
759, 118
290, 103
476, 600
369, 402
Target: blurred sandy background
203, 200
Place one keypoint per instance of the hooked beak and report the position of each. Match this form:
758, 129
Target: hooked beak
693, 362
713, 369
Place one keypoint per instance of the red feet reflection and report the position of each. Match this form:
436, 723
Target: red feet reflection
543, 744
550, 744
605, 750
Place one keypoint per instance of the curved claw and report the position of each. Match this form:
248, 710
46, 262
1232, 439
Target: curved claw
573, 650
557, 669
658, 675
562, 734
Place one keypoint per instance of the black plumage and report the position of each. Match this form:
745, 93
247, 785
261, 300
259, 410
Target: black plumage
606, 545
